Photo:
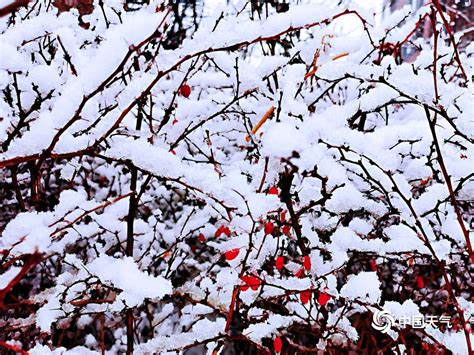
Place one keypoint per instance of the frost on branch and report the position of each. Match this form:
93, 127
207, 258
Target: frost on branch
264, 187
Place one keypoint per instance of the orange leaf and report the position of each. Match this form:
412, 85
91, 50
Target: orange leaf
261, 122
310, 73
342, 55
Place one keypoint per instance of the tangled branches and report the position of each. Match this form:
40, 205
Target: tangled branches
267, 185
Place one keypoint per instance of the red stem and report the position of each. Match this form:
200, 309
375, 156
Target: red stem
31, 261
13, 348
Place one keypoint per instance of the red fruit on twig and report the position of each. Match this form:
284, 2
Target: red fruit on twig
307, 262
420, 282
299, 273
231, 254
185, 90
254, 283
305, 296
286, 229
273, 191
269, 228
250, 281
373, 265
277, 344
323, 298
223, 230
202, 239
244, 287
280, 262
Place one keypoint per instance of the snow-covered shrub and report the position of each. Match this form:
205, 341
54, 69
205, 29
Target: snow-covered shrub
265, 187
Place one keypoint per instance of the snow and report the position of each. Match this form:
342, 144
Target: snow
282, 139
275, 321
125, 275
202, 330
29, 228
399, 310
348, 150
364, 286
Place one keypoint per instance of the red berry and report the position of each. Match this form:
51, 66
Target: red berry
172, 152
373, 265
231, 254
286, 229
185, 90
175, 121
420, 282
280, 262
269, 228
307, 262
277, 344
323, 298
250, 281
273, 191
299, 273
102, 180
202, 239
305, 296
223, 230
254, 283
